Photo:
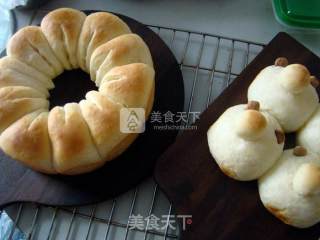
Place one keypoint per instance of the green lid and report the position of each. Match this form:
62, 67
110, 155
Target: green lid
298, 13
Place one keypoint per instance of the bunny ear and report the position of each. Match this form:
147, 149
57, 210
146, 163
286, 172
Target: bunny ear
306, 180
281, 61
295, 78
314, 81
254, 105
251, 125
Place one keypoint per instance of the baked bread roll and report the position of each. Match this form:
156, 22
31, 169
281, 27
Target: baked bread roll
308, 136
15, 102
11, 65
122, 50
131, 85
245, 142
30, 46
286, 93
290, 190
103, 118
27, 140
10, 76
73, 148
62, 28
98, 28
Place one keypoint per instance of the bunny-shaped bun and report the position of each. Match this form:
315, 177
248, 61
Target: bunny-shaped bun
287, 92
245, 142
290, 190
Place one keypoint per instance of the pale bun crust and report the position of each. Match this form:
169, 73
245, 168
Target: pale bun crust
289, 190
292, 105
248, 155
308, 135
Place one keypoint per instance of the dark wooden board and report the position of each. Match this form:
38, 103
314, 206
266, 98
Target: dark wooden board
19, 183
222, 208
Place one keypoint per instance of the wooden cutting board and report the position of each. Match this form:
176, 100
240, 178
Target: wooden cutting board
222, 208
19, 183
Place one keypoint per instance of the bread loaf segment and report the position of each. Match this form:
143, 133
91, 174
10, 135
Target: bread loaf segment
73, 149
131, 85
30, 46
97, 29
14, 65
62, 28
15, 103
122, 50
27, 140
103, 118
10, 78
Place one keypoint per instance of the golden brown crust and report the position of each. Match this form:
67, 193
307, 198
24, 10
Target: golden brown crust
306, 180
9, 77
14, 92
62, 28
13, 65
251, 124
30, 46
227, 171
12, 110
278, 213
295, 77
27, 140
71, 140
103, 118
122, 50
97, 29
131, 85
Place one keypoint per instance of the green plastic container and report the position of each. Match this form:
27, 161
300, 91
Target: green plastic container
298, 13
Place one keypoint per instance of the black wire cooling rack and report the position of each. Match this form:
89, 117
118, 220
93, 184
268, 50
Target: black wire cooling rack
209, 63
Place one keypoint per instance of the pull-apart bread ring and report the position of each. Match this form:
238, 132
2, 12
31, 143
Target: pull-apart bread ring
245, 142
77, 137
286, 92
290, 190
